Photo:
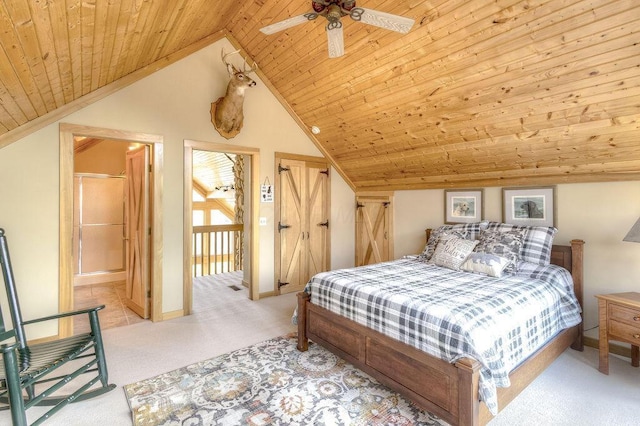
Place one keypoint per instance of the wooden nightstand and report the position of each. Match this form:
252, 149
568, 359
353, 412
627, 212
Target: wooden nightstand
619, 319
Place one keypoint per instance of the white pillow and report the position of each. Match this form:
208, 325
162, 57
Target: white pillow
452, 251
485, 263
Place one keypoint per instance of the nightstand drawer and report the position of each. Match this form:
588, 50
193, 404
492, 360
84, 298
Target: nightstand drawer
624, 314
625, 332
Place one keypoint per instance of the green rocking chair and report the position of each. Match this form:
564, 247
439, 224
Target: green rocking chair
28, 368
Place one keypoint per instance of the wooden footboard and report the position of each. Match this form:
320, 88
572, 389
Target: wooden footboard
437, 386
449, 391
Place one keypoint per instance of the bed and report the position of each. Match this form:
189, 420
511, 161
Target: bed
453, 390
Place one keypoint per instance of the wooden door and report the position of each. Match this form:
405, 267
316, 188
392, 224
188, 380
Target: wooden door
137, 234
318, 210
291, 225
302, 216
374, 229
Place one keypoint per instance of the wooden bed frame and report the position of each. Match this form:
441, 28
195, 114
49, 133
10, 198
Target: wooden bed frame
449, 391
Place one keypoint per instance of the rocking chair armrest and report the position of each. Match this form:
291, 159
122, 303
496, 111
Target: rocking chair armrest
64, 314
4, 348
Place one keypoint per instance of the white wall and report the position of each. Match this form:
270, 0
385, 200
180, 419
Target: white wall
175, 103
599, 213
29, 215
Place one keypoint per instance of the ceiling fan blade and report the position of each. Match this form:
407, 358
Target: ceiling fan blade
335, 42
287, 23
382, 19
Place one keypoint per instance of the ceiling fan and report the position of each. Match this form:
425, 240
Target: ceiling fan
334, 10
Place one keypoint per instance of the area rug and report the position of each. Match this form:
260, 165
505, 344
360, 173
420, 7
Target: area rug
271, 383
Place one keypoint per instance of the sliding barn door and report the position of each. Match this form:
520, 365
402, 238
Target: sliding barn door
374, 216
302, 215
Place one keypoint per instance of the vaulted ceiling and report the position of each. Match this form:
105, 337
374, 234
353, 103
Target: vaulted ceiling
478, 93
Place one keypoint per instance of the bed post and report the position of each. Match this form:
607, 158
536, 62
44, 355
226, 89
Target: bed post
303, 342
577, 272
468, 396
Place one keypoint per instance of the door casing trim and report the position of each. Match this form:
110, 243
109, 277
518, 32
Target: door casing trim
65, 270
254, 240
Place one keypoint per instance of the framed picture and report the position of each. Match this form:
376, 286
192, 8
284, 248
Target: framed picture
463, 206
529, 206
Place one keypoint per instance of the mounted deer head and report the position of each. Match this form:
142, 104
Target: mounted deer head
226, 112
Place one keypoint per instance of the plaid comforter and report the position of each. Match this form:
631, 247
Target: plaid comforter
452, 314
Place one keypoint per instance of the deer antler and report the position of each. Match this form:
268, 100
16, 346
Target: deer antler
224, 56
253, 69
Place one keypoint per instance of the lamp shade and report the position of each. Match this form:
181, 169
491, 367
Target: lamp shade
634, 233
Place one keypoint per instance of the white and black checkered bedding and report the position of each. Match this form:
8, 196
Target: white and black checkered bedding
452, 314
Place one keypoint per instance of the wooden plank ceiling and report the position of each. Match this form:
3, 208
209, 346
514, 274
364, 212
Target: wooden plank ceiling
479, 93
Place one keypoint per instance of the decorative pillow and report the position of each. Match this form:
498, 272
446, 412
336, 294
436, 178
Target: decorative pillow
435, 237
485, 263
537, 242
469, 231
452, 251
507, 244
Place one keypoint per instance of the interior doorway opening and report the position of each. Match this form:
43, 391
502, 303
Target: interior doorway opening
218, 212
111, 258
111, 230
220, 223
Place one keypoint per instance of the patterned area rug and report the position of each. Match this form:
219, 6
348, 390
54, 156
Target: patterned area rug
271, 383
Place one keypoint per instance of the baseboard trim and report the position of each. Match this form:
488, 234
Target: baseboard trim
614, 348
173, 314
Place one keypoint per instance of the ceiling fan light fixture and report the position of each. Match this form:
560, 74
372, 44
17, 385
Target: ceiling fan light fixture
334, 12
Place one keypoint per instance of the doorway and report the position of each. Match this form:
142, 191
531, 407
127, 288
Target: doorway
251, 199
68, 135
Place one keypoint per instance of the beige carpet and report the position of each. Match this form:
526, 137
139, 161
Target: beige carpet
570, 392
